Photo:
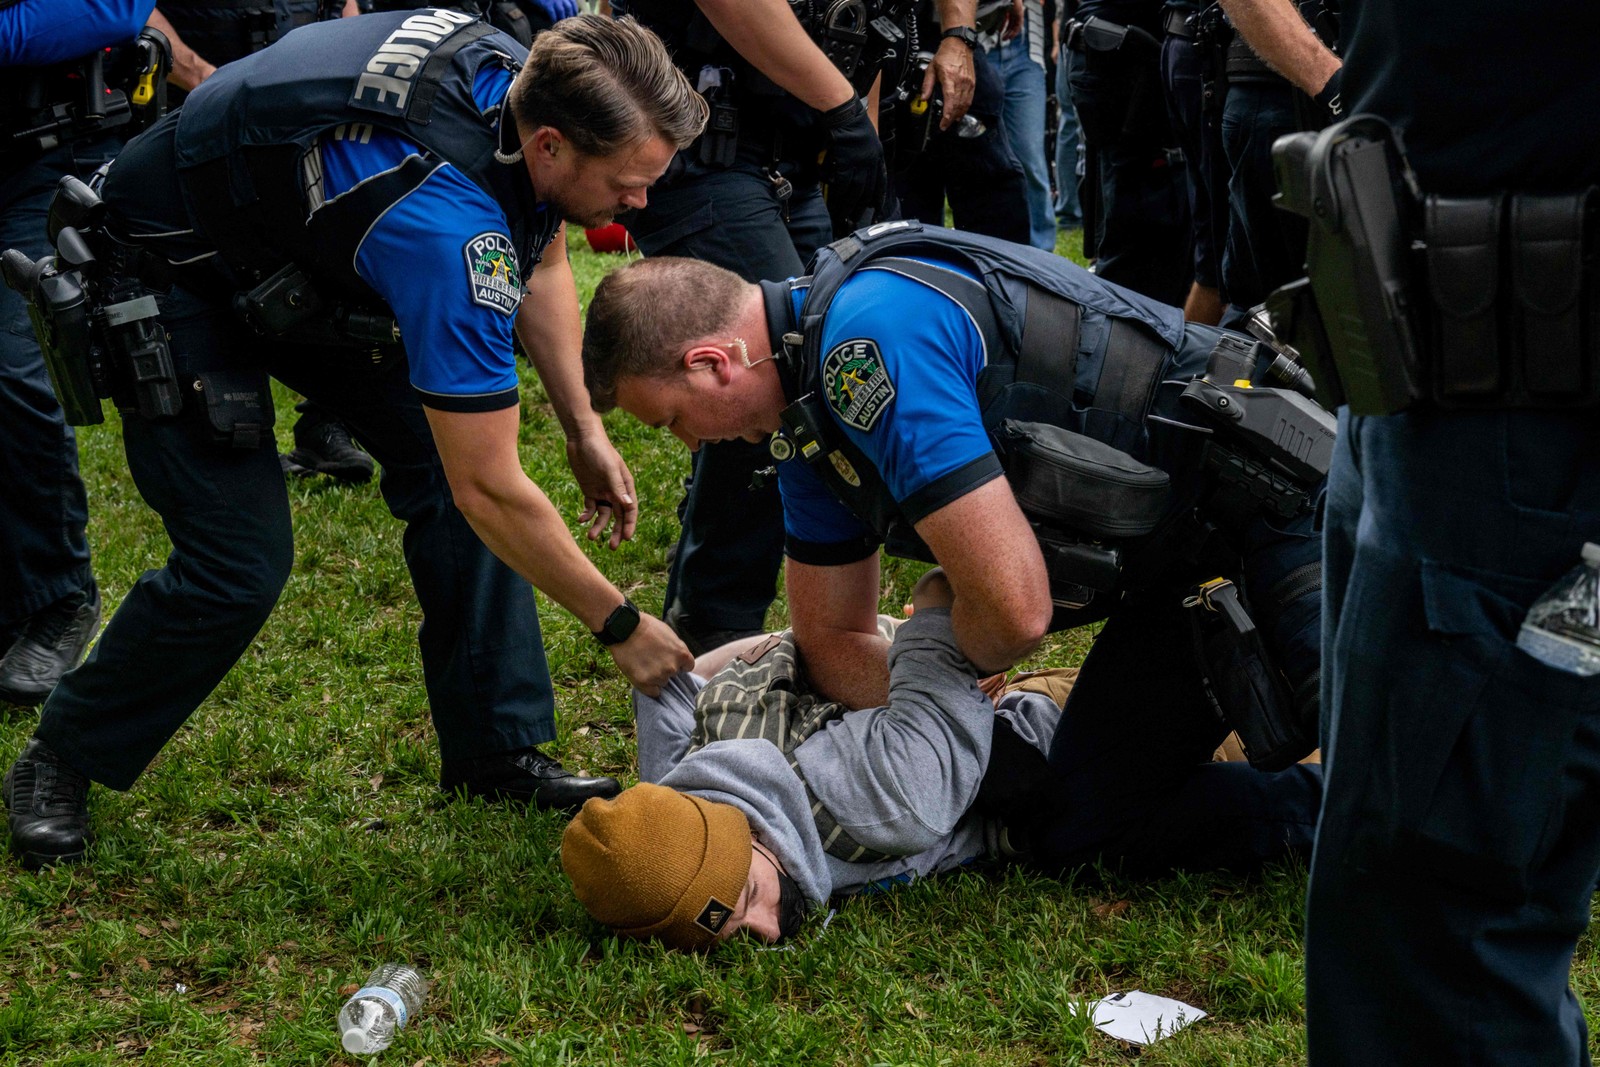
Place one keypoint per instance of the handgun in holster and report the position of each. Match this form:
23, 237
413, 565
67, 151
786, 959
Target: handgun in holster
1273, 444
97, 326
1245, 688
1357, 318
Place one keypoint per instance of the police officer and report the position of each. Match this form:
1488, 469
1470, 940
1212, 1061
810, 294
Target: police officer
748, 197
1265, 246
970, 165
204, 35
1194, 108
898, 380
1458, 851
50, 126
419, 137
1136, 213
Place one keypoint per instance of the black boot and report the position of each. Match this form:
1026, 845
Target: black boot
51, 644
48, 804
527, 776
322, 445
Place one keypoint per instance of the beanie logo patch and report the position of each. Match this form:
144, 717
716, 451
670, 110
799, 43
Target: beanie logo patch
714, 916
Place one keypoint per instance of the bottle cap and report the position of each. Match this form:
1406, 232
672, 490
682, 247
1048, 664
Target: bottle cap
1591, 552
355, 1040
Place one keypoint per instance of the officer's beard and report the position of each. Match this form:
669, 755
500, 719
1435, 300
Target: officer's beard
573, 216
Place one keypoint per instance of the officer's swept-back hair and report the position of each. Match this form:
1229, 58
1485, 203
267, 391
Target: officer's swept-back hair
643, 317
605, 83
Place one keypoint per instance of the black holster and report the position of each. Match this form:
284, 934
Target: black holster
1482, 302
1276, 723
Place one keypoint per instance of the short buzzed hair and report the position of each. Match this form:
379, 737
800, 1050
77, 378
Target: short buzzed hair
605, 83
645, 315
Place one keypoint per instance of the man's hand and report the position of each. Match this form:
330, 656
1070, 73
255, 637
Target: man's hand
651, 655
1011, 26
953, 72
854, 171
607, 486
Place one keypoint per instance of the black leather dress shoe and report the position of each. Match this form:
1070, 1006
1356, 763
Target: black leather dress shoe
50, 645
48, 806
527, 776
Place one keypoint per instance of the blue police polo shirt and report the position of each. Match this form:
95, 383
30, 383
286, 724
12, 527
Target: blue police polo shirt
900, 378
443, 259
36, 33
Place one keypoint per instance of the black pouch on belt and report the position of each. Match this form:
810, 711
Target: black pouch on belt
1553, 280
1463, 239
238, 407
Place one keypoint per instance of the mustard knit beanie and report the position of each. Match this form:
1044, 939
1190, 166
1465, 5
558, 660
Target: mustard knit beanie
658, 863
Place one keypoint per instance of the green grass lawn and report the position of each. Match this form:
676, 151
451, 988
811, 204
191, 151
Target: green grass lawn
292, 836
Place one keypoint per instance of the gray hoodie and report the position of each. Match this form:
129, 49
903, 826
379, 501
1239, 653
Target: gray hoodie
899, 778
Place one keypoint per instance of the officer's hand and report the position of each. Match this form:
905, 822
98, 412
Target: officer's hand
853, 169
607, 486
1011, 26
651, 655
556, 10
952, 70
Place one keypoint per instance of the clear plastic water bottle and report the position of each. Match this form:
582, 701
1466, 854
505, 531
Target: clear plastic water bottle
374, 1012
1563, 626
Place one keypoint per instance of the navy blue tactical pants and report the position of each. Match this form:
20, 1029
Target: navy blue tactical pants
44, 554
1460, 836
1198, 133
1143, 217
1133, 754
725, 573
226, 511
1266, 247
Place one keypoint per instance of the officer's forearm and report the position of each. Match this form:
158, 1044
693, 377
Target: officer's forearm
189, 68
512, 515
953, 13
551, 332
834, 614
767, 34
1282, 39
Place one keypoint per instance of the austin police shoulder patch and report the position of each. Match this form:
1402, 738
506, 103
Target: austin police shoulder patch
857, 383
492, 272
714, 916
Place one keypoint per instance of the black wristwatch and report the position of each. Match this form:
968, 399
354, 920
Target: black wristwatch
965, 34
619, 625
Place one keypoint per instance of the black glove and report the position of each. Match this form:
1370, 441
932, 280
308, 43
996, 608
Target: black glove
1328, 99
853, 169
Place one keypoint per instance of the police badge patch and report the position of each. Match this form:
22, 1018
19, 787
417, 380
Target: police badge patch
856, 382
492, 272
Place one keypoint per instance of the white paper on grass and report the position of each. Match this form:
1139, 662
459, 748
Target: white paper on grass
1140, 1017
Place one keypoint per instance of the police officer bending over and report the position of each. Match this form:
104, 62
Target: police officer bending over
414, 165
1138, 487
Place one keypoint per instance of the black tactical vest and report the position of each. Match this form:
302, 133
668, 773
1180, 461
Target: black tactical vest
245, 138
1064, 348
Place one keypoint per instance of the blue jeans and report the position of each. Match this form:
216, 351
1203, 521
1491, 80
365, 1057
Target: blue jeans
1023, 75
1069, 153
1460, 835
44, 554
